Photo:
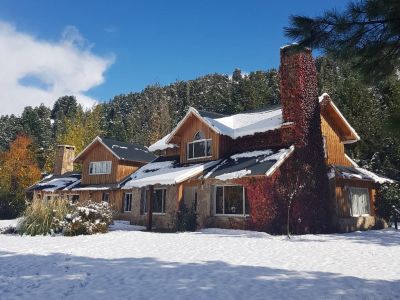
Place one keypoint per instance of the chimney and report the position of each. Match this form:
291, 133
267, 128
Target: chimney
64, 159
298, 88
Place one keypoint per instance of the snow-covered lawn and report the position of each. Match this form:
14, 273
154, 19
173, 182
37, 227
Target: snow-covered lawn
211, 264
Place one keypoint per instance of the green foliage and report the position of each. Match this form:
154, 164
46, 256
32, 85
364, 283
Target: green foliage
185, 218
11, 205
387, 196
367, 32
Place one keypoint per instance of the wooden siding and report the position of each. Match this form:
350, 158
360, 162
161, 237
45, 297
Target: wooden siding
186, 133
341, 200
119, 168
335, 148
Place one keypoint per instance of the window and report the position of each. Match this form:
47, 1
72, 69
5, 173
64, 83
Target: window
99, 167
159, 196
359, 200
73, 198
325, 146
106, 197
200, 147
231, 200
127, 202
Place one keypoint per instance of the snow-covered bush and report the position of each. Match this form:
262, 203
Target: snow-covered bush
185, 218
59, 216
42, 217
91, 218
388, 196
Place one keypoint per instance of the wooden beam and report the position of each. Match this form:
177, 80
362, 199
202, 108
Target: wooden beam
150, 197
180, 195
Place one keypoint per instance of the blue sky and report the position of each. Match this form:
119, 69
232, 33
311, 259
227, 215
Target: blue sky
161, 41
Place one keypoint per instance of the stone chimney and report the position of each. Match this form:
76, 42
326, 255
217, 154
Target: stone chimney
298, 88
64, 159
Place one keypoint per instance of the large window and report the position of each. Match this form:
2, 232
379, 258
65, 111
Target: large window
231, 200
159, 197
359, 199
99, 167
127, 202
200, 147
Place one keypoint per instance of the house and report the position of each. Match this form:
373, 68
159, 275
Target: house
239, 171
106, 164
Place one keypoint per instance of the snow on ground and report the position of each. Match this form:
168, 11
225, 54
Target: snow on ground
211, 264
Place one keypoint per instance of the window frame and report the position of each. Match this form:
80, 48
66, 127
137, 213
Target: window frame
104, 196
71, 198
163, 201
350, 197
244, 215
206, 141
131, 200
91, 167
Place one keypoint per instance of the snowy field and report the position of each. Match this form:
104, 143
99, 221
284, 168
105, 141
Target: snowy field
211, 264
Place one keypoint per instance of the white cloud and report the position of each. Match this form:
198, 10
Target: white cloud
34, 71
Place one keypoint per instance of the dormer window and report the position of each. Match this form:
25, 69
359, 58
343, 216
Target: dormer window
200, 147
99, 167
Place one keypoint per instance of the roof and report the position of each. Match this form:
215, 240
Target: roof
234, 126
254, 163
52, 183
166, 171
356, 173
327, 106
122, 150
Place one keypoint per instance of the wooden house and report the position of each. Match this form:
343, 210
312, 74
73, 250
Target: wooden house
239, 171
106, 165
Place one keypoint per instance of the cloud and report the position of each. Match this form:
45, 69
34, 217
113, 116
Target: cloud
34, 71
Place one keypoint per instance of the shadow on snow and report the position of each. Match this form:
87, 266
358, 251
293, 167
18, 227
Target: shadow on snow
63, 276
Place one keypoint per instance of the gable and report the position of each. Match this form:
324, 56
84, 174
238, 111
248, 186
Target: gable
336, 120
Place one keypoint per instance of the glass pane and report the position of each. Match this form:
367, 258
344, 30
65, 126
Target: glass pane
219, 201
208, 150
199, 149
233, 200
157, 201
190, 149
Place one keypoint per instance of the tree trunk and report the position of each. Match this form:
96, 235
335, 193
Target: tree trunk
288, 219
150, 197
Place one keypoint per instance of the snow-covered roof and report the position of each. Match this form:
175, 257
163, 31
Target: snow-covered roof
356, 173
52, 183
161, 144
235, 126
167, 172
253, 163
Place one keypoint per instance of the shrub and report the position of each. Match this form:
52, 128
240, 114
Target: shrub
387, 196
11, 205
43, 217
89, 219
185, 218
59, 216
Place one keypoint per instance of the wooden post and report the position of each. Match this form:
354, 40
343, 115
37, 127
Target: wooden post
150, 197
180, 195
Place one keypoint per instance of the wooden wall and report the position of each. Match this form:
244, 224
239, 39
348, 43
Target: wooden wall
119, 168
335, 147
342, 204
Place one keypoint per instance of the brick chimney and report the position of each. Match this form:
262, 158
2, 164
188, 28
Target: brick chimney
298, 88
64, 159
